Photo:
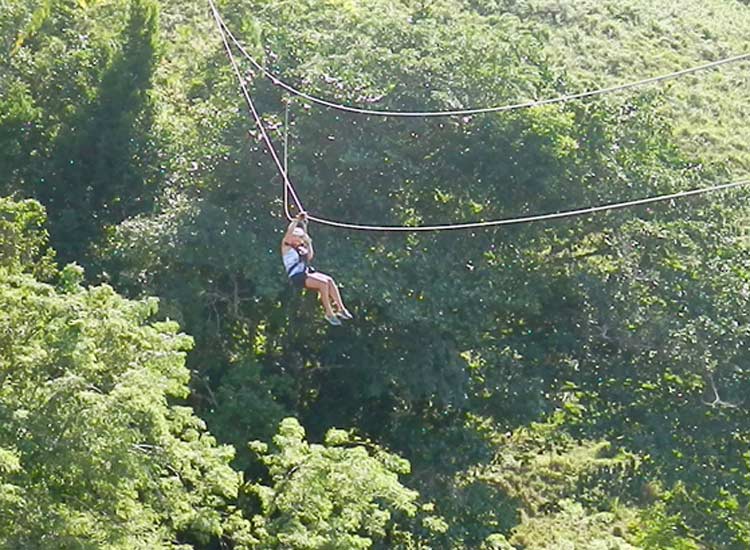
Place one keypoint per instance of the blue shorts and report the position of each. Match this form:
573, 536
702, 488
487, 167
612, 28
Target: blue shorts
298, 279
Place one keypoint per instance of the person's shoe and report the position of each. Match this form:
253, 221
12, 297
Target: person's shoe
345, 314
333, 320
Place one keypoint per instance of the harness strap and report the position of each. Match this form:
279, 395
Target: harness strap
289, 271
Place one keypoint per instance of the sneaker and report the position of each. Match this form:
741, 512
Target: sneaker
333, 320
345, 314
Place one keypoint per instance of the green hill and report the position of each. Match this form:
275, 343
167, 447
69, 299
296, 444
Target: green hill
608, 42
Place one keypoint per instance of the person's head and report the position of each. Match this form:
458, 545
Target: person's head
298, 236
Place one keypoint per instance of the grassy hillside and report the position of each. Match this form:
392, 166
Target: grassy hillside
608, 42
600, 43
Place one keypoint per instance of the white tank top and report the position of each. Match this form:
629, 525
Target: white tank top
291, 258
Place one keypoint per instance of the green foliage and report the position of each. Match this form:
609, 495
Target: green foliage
660, 530
613, 42
610, 350
548, 490
245, 404
509, 324
338, 495
665, 379
77, 115
541, 465
93, 452
23, 238
573, 527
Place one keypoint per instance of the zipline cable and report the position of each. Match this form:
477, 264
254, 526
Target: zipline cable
256, 116
286, 137
474, 111
534, 218
445, 227
286, 159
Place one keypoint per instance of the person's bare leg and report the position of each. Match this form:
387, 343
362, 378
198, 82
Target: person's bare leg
335, 294
316, 282
333, 290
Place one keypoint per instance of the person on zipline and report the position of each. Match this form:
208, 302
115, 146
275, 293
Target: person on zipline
297, 253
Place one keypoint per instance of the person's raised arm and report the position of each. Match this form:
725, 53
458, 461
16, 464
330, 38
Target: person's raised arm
307, 239
310, 251
300, 219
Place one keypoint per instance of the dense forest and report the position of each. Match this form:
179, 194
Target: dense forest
576, 384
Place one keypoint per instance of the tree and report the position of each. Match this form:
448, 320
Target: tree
23, 238
340, 495
78, 116
95, 449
